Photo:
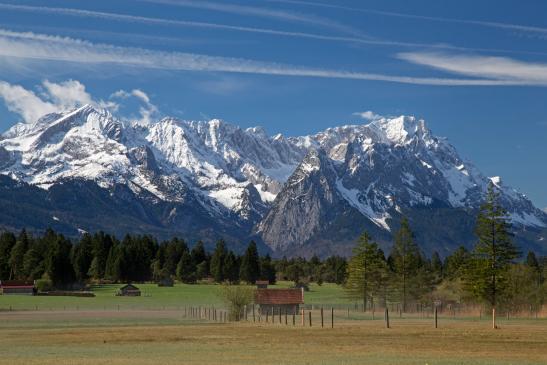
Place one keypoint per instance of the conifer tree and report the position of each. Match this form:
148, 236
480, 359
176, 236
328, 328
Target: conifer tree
201, 259
250, 264
493, 252
365, 271
231, 268
186, 269
217, 261
17, 256
7, 241
82, 256
407, 263
267, 269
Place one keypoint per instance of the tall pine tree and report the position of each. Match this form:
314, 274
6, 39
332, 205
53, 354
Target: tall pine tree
250, 264
493, 252
217, 261
366, 270
407, 262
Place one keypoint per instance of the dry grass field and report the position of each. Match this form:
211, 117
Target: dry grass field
165, 337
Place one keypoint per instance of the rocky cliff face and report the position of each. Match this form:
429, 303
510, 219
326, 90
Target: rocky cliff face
298, 195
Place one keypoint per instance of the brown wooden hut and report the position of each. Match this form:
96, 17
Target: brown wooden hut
262, 284
276, 300
129, 290
17, 287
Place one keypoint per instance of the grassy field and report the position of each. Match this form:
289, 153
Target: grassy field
155, 297
152, 337
153, 329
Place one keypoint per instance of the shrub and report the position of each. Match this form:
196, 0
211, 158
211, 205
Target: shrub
44, 284
236, 297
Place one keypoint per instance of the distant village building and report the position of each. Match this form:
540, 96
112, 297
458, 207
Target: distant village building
17, 287
284, 300
166, 282
262, 284
129, 290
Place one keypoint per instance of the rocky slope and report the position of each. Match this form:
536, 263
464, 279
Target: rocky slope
297, 195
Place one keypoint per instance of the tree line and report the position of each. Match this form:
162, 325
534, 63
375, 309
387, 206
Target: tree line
489, 274
101, 257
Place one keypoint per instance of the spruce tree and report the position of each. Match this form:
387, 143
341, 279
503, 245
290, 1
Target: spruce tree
17, 256
217, 261
250, 264
82, 256
231, 268
365, 271
493, 252
186, 269
407, 263
7, 241
267, 269
201, 259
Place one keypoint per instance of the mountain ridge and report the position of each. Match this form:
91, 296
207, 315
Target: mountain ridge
243, 180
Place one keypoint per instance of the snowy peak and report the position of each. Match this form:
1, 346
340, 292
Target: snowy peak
400, 130
374, 172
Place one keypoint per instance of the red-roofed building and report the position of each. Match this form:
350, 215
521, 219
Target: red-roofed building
17, 287
284, 300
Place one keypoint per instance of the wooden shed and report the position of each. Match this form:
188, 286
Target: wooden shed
276, 300
262, 284
17, 287
129, 290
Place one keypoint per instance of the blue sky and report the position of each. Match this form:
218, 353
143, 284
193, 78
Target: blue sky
476, 71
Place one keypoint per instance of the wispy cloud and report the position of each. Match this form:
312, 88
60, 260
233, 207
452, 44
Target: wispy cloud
490, 24
166, 22
495, 68
204, 25
261, 12
62, 49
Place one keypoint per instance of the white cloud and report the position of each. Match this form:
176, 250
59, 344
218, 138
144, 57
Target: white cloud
53, 48
147, 111
67, 95
545, 209
368, 115
495, 68
24, 102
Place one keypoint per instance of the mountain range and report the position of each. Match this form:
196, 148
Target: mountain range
86, 170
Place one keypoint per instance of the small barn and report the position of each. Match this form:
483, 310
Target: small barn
168, 282
129, 290
17, 287
262, 284
279, 300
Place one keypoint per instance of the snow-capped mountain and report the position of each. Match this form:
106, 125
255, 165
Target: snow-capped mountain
296, 194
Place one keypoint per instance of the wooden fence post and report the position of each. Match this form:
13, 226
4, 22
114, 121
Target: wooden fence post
294, 316
279, 315
322, 322
494, 317
254, 318
435, 316
285, 316
332, 317
273, 314
302, 317
267, 314
309, 315
386, 317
